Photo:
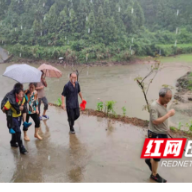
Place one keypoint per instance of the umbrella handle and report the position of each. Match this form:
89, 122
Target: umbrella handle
77, 74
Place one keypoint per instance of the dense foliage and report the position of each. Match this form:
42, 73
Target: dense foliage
83, 30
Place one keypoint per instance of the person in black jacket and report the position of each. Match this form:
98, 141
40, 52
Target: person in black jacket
11, 98
71, 91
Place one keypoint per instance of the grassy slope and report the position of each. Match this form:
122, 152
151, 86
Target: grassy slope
179, 58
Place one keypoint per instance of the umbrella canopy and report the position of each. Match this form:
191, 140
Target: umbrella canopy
50, 71
23, 73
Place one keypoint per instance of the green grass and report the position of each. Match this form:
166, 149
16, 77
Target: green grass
178, 45
179, 58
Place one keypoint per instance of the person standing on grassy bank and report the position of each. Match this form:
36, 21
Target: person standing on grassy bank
158, 127
41, 96
70, 92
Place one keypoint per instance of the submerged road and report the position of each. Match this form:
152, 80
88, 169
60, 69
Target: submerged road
101, 151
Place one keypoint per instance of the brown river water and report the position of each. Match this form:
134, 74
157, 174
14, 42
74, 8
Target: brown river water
110, 83
101, 150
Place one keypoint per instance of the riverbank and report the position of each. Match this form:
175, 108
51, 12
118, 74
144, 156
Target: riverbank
132, 60
182, 58
183, 100
174, 132
116, 83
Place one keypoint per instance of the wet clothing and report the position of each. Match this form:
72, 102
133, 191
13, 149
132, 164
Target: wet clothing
45, 102
71, 94
32, 101
156, 112
73, 114
154, 135
35, 118
17, 124
32, 105
15, 121
11, 98
72, 104
41, 92
8, 106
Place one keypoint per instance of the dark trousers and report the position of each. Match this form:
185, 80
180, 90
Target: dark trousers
35, 118
16, 138
155, 135
9, 119
73, 114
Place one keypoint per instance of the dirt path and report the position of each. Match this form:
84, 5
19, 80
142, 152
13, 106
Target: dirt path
101, 151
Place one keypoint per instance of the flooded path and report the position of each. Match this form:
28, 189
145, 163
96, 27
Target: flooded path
111, 83
101, 151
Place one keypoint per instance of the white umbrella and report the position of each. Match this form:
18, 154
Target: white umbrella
23, 73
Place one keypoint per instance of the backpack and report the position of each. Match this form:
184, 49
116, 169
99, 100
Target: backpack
4, 101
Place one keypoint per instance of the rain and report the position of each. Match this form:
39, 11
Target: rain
107, 49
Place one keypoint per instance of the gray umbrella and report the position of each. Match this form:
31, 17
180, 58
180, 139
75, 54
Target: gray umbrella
23, 73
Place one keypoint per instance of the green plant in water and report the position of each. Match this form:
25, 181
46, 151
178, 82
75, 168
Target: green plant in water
109, 106
59, 102
124, 110
100, 106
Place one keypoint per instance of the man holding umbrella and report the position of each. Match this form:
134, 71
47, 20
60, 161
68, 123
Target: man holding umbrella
70, 92
47, 71
41, 96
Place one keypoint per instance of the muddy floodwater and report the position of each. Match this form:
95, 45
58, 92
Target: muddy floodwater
101, 151
111, 83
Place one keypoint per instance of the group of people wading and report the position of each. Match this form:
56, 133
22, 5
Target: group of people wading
21, 105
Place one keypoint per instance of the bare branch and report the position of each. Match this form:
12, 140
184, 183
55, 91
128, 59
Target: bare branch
147, 75
151, 81
145, 96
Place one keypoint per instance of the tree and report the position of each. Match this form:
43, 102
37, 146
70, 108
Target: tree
82, 13
129, 20
36, 28
110, 31
74, 24
107, 9
139, 15
91, 22
51, 19
99, 25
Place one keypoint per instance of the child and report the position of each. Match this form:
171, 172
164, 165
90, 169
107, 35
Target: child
16, 119
11, 98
